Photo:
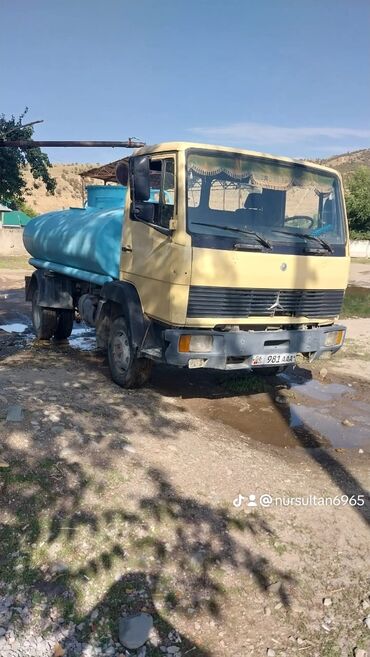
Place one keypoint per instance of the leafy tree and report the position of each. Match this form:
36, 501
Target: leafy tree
13, 160
358, 202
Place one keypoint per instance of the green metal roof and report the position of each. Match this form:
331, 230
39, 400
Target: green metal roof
15, 218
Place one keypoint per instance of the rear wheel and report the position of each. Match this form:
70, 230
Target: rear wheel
126, 369
64, 324
44, 320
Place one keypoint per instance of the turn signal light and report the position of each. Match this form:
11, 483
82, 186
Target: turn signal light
334, 338
184, 343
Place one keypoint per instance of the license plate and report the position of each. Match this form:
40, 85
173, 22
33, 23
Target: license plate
273, 359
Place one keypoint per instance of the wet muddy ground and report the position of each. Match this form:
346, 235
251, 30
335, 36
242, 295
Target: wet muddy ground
290, 410
117, 501
296, 408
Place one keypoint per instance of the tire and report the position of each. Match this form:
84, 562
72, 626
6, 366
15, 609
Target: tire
65, 324
126, 370
44, 320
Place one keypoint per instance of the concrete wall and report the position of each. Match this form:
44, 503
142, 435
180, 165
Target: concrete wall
11, 241
360, 248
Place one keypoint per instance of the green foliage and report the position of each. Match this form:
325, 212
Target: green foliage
360, 234
21, 205
13, 160
358, 202
356, 302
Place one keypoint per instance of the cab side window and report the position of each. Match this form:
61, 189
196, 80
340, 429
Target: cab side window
162, 190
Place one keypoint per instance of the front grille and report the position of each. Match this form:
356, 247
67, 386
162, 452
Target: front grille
231, 302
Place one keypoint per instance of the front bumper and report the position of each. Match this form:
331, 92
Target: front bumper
233, 349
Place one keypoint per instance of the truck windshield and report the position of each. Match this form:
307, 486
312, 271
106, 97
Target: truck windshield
291, 206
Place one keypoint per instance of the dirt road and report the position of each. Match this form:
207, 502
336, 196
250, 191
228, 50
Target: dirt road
360, 274
227, 507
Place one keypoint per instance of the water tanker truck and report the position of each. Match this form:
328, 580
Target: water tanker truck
202, 257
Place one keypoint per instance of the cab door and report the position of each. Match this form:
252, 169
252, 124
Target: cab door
149, 254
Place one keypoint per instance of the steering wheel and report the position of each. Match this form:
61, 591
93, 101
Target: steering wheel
305, 217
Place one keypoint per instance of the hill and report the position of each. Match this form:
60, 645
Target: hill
347, 163
69, 190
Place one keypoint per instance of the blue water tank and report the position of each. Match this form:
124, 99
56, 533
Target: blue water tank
106, 196
83, 243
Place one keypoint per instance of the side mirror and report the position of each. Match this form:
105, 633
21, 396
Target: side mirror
139, 178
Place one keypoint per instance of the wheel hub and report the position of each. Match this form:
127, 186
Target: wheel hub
121, 351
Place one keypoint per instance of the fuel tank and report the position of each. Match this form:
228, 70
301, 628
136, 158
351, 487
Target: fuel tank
81, 242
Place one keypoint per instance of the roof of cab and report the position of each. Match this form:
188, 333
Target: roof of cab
184, 145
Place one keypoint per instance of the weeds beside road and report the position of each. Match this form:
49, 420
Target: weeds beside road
14, 262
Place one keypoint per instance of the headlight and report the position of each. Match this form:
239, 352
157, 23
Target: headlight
199, 343
334, 338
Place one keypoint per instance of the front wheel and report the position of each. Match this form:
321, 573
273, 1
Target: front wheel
44, 320
126, 369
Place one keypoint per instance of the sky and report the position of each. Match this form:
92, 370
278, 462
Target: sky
289, 77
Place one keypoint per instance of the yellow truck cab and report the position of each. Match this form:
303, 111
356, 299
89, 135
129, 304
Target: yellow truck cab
229, 259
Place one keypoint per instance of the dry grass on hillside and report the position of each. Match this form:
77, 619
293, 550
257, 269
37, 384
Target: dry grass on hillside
68, 192
347, 163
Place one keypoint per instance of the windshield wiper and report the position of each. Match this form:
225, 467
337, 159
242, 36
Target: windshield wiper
306, 236
258, 237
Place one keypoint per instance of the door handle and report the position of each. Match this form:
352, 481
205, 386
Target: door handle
127, 248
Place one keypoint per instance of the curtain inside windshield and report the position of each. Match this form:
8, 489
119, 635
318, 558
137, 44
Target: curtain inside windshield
250, 193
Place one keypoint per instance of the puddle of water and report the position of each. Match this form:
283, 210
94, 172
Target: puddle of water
314, 418
85, 343
331, 427
314, 389
259, 419
14, 328
326, 418
82, 338
82, 330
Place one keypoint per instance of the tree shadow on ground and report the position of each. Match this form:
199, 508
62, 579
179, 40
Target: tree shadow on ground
189, 547
83, 517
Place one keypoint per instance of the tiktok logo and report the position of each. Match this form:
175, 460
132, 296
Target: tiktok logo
240, 499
